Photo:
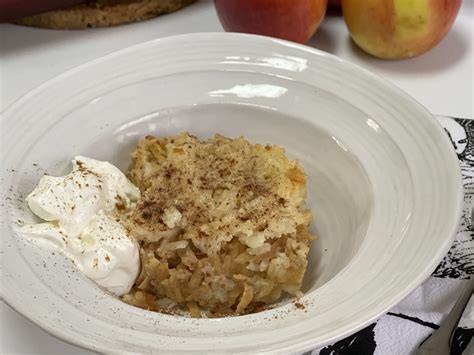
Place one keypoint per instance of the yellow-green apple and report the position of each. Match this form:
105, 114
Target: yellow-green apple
396, 29
294, 20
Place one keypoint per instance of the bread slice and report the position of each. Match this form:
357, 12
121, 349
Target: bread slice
221, 224
103, 13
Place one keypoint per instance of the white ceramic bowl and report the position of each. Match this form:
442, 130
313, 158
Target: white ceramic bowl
384, 183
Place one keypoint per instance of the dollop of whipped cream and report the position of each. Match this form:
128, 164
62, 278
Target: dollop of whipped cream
82, 211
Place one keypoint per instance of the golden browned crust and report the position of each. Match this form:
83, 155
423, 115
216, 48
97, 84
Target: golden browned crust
221, 224
103, 13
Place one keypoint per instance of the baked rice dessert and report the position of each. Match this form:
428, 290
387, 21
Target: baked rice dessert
221, 224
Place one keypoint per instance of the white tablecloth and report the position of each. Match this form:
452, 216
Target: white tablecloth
442, 80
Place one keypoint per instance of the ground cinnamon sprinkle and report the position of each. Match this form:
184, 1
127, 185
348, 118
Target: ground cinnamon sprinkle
299, 305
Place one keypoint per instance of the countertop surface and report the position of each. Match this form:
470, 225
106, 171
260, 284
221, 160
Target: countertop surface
441, 80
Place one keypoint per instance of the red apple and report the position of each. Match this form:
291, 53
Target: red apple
396, 29
294, 20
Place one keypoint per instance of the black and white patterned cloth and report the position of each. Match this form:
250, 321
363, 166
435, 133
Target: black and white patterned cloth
404, 328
